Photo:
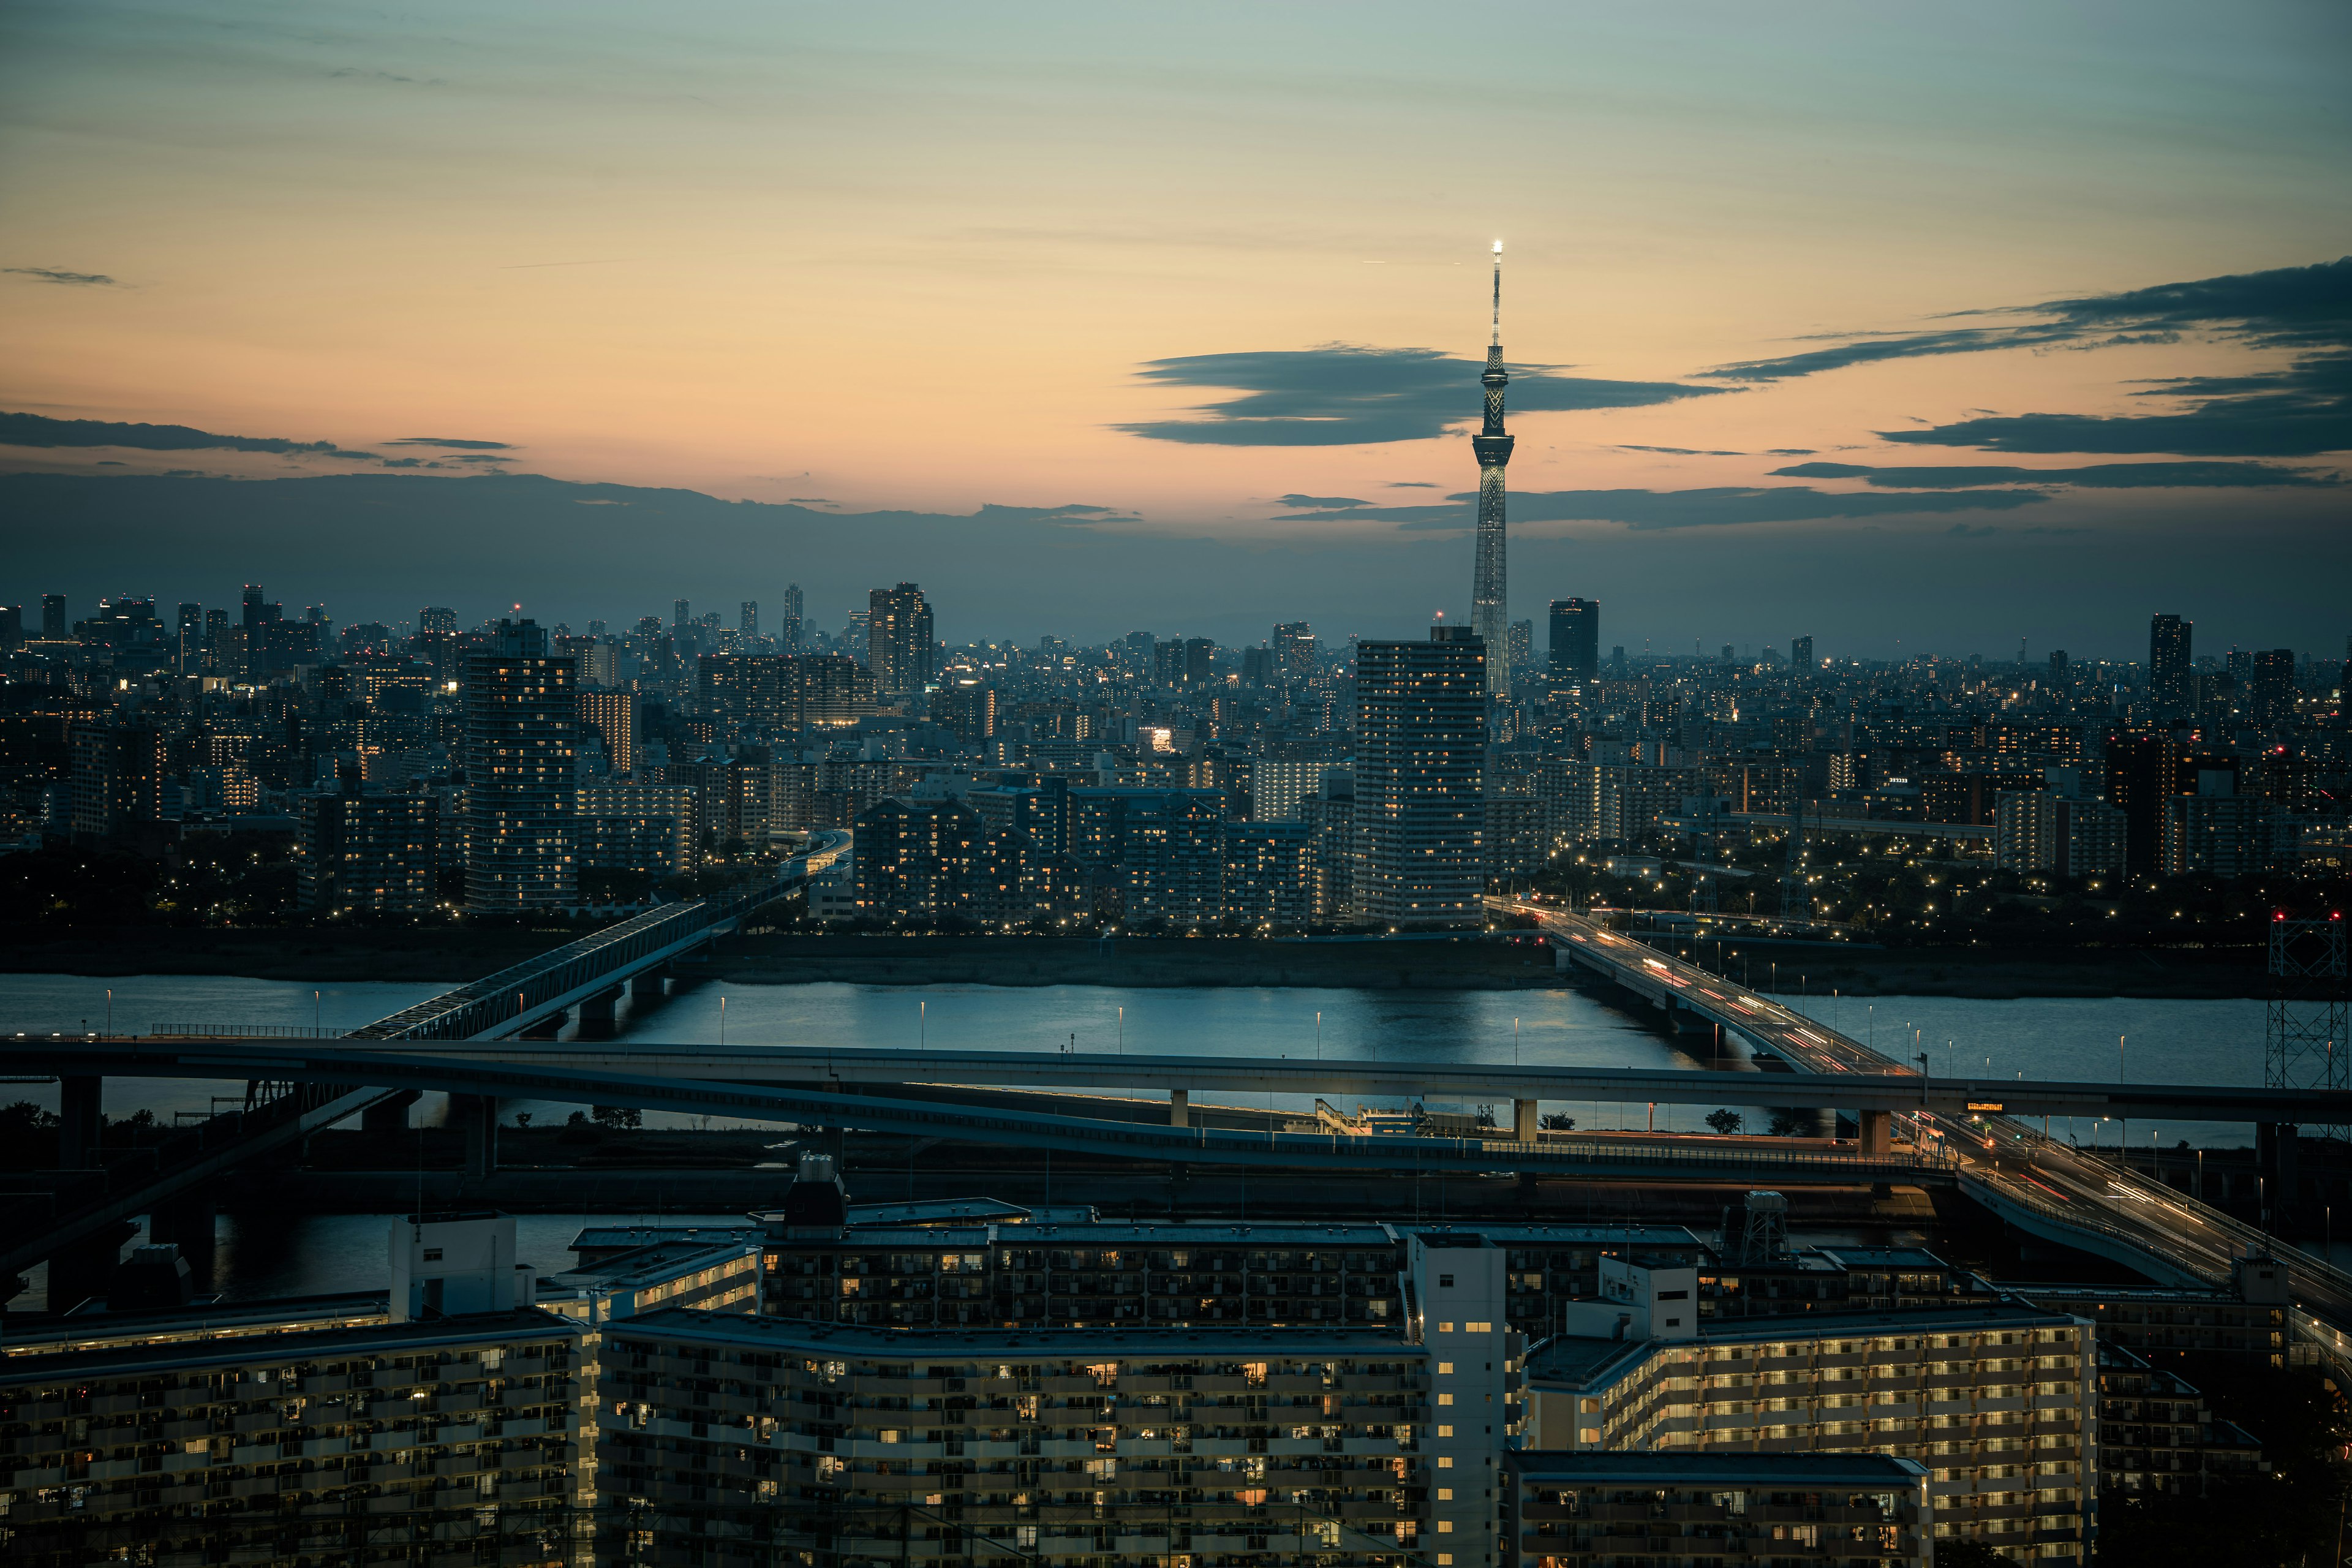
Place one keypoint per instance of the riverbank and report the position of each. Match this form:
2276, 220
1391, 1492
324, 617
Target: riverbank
1515, 961
2170, 975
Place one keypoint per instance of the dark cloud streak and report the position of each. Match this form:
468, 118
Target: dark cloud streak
1714, 507
2098, 475
1342, 395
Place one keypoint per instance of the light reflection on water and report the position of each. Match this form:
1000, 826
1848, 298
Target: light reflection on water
2218, 1042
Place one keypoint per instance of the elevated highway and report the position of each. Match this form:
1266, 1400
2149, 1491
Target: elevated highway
2038, 1183
95, 1191
1524, 1086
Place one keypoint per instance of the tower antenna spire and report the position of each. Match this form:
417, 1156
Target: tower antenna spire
1497, 338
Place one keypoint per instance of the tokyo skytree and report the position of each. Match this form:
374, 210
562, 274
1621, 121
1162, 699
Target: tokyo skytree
1490, 615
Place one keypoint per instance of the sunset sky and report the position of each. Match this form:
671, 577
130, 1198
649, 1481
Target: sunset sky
1212, 277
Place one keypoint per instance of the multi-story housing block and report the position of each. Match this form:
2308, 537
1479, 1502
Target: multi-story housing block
793, 1442
1997, 1399
1669, 1511
286, 1448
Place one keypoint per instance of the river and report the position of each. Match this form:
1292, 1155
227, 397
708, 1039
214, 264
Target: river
2218, 1042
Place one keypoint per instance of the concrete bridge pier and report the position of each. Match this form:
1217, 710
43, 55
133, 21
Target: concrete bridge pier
547, 1028
1877, 1131
80, 1121
386, 1116
1526, 1121
1180, 1108
597, 1021
477, 1115
650, 985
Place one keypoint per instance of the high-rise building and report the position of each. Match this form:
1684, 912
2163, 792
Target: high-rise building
611, 716
1576, 639
117, 779
53, 618
2042, 830
2218, 832
1490, 582
2167, 663
788, 629
680, 615
898, 641
2141, 768
1801, 653
2273, 686
1269, 874
967, 708
436, 620
522, 723
1421, 739
252, 606
188, 646
1522, 646
2058, 665
1296, 656
12, 625
217, 636
750, 623
358, 851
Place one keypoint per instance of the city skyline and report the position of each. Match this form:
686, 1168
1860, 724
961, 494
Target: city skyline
1797, 348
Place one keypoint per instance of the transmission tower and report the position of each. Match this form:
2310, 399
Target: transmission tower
2306, 1045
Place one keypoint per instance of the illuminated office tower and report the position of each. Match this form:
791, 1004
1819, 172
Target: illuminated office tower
1576, 639
1296, 656
1490, 583
788, 631
611, 716
522, 724
1801, 653
750, 622
898, 641
1421, 738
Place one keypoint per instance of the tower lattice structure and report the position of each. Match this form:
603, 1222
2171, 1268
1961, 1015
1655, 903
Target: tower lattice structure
2305, 1045
1490, 616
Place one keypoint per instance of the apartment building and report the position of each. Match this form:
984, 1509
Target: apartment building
2157, 1433
336, 1445
1997, 1399
1103, 1274
1674, 1511
768, 1440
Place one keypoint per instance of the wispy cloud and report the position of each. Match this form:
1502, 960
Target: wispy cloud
2187, 474
39, 430
59, 275
2302, 410
1343, 394
1714, 507
456, 443
1076, 511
